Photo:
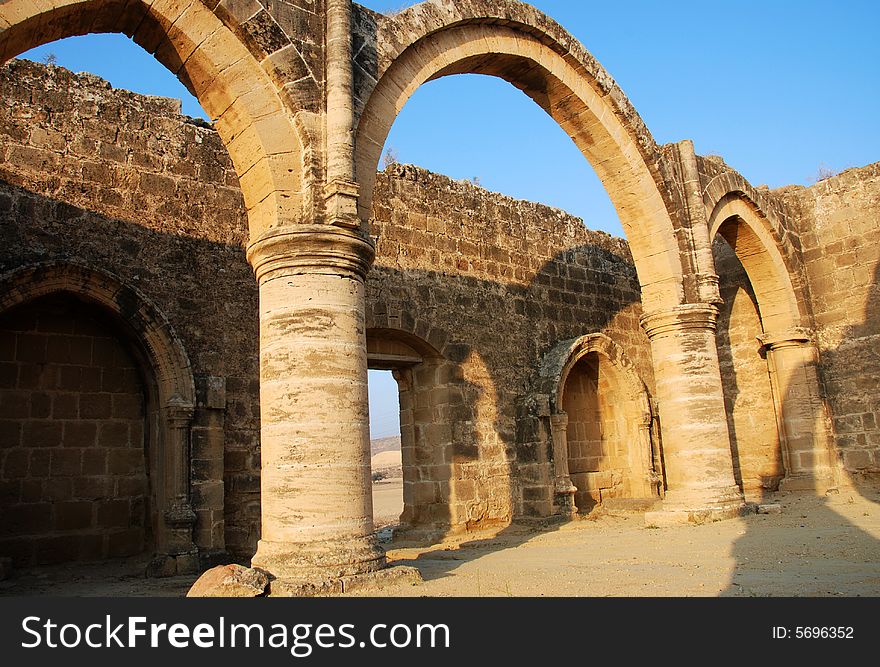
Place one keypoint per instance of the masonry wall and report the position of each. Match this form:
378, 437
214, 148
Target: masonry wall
493, 284
839, 224
73, 473
122, 183
486, 284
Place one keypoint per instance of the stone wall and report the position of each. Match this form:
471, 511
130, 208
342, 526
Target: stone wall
493, 284
477, 286
72, 459
838, 222
123, 184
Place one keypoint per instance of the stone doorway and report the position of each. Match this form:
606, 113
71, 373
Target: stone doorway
423, 379
601, 426
385, 451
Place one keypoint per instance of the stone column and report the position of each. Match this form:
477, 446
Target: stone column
804, 428
340, 190
564, 490
176, 552
696, 443
316, 505
649, 479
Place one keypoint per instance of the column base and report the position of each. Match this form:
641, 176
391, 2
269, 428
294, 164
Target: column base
563, 500
820, 482
319, 561
369, 582
699, 507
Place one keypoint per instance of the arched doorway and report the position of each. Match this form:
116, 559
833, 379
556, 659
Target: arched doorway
96, 407
425, 439
455, 476
748, 395
73, 408
601, 427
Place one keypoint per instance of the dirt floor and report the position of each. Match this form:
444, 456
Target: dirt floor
817, 546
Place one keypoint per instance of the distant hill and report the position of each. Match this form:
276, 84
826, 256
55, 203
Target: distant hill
380, 445
386, 463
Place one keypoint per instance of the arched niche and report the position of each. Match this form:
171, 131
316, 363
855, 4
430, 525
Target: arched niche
169, 392
600, 423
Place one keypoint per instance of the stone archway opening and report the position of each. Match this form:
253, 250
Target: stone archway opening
466, 140
79, 415
212, 63
784, 341
385, 450
429, 396
602, 428
97, 403
748, 394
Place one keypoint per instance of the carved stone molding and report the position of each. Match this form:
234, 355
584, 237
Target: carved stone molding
683, 317
299, 249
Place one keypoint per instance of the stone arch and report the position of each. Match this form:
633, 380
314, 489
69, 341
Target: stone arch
214, 65
635, 389
770, 257
638, 477
517, 43
169, 384
764, 248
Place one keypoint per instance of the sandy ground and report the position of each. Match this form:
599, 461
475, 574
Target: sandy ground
827, 546
387, 502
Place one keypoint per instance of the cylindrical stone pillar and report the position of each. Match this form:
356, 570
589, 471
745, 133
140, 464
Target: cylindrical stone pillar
316, 505
693, 422
804, 429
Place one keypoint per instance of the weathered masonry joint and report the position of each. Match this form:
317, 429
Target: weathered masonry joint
188, 313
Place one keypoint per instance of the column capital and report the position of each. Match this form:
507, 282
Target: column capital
794, 337
559, 421
179, 412
309, 249
686, 316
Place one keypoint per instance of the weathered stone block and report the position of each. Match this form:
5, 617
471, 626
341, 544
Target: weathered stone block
230, 581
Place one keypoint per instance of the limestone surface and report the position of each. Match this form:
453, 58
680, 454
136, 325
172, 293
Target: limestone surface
230, 581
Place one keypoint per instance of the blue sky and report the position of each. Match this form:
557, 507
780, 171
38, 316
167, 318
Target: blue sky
778, 88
